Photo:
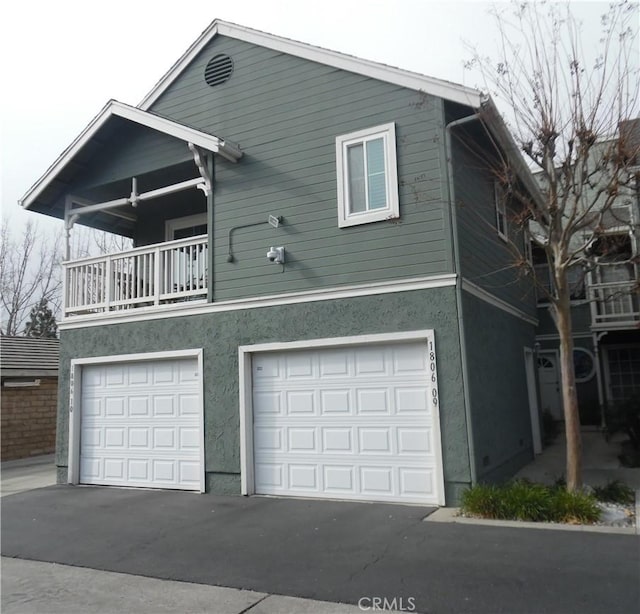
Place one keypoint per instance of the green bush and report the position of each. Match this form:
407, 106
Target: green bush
522, 500
574, 507
615, 492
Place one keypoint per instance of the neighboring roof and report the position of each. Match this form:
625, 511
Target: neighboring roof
382, 72
29, 356
118, 109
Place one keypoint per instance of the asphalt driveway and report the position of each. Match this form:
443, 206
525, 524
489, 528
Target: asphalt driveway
333, 551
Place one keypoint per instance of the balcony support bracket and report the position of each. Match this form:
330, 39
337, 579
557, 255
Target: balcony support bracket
199, 157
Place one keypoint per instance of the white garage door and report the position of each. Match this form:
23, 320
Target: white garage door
141, 424
348, 423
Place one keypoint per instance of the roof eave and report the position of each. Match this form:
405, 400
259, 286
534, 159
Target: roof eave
114, 108
496, 124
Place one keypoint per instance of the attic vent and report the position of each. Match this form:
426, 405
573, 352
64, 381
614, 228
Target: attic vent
218, 70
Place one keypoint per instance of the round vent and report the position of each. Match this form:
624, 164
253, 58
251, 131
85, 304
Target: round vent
218, 70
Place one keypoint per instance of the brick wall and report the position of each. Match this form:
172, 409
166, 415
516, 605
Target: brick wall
28, 419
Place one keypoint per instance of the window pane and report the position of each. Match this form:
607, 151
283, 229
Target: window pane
355, 165
375, 169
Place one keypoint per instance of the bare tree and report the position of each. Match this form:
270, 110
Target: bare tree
87, 242
567, 112
29, 273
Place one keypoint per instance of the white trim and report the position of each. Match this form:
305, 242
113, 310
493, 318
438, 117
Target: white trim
386, 132
30, 384
290, 298
530, 368
245, 353
177, 223
404, 78
75, 396
117, 109
582, 380
556, 337
487, 297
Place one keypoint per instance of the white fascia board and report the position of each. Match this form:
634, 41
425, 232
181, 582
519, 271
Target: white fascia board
291, 298
411, 80
118, 109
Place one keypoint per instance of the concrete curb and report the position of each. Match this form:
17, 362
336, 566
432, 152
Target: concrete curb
450, 514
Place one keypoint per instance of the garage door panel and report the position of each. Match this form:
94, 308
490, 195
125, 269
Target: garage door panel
334, 364
339, 401
141, 425
350, 423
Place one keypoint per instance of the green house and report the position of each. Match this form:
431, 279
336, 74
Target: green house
321, 299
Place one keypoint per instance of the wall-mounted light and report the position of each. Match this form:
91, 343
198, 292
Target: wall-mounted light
276, 255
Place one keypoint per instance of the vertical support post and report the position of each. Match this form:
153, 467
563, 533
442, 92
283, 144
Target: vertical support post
598, 365
108, 283
156, 275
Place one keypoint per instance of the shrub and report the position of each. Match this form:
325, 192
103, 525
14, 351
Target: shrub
522, 500
483, 500
614, 492
574, 507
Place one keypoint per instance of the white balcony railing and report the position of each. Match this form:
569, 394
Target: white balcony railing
614, 303
158, 274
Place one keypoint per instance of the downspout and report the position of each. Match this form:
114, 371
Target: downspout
453, 226
210, 202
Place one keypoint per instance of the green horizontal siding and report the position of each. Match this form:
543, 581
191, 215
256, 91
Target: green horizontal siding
285, 113
485, 258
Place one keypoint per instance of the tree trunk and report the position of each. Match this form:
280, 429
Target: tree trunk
569, 392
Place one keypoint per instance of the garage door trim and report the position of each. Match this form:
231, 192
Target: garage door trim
245, 353
75, 398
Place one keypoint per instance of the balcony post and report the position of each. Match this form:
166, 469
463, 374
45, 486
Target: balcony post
107, 285
156, 275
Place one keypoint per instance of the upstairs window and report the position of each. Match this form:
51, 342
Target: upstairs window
367, 176
500, 197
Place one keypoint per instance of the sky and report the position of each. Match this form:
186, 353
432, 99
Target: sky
62, 60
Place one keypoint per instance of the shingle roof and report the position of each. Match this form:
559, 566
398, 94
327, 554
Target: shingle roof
29, 356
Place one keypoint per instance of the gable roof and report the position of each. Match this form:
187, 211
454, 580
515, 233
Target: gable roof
382, 72
113, 109
29, 356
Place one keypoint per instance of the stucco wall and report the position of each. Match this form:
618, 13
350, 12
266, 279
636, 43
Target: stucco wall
501, 421
219, 335
29, 419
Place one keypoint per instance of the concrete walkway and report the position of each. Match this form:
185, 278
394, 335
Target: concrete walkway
26, 474
599, 458
33, 587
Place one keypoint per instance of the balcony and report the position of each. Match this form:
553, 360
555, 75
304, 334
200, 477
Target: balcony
614, 304
154, 275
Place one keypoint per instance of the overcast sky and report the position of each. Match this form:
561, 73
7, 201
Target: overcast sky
63, 59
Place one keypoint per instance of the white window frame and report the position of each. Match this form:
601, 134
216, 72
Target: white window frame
388, 133
500, 202
170, 226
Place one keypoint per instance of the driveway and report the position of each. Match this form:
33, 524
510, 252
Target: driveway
331, 551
